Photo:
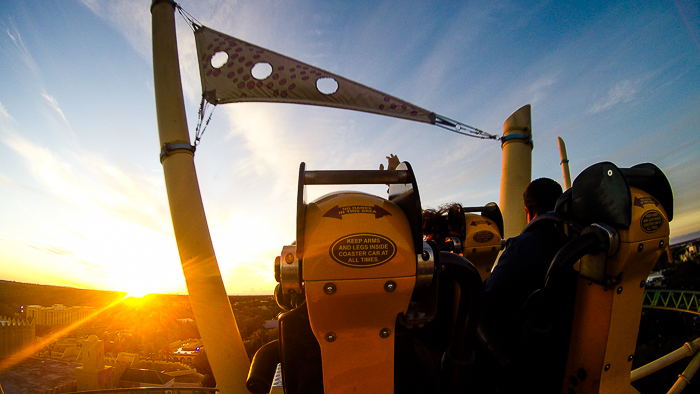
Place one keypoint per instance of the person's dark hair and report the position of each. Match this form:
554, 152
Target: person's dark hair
444, 222
541, 195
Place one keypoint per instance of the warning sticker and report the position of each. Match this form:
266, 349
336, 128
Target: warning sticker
641, 202
651, 221
482, 236
363, 250
338, 212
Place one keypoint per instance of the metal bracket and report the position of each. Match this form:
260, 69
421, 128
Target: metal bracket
169, 149
524, 137
290, 270
425, 266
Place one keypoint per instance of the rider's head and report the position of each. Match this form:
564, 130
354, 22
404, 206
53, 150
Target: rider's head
540, 197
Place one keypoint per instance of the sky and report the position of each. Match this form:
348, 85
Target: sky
82, 193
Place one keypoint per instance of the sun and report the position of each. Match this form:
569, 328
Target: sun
136, 288
140, 293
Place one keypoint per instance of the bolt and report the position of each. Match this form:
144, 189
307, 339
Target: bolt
630, 357
619, 289
329, 288
330, 337
289, 258
661, 244
390, 286
573, 380
640, 247
425, 255
607, 367
384, 333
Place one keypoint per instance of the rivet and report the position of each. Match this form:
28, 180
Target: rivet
581, 373
661, 244
607, 367
619, 289
384, 333
425, 255
640, 247
330, 337
329, 288
630, 357
390, 286
289, 258
573, 380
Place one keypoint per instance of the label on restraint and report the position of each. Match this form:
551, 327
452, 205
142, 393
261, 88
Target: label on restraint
363, 250
651, 221
483, 236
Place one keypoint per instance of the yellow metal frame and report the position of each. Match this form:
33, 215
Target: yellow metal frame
353, 309
606, 320
482, 243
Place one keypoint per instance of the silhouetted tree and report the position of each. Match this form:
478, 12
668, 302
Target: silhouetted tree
201, 363
683, 276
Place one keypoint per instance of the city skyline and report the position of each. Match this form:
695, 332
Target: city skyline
82, 195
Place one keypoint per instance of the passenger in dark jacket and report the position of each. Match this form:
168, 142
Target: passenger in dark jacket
523, 264
531, 360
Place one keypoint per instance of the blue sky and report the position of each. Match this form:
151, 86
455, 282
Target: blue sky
82, 195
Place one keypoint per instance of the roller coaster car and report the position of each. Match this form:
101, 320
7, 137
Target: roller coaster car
577, 332
372, 308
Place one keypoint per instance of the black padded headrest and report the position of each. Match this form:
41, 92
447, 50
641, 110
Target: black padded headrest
600, 194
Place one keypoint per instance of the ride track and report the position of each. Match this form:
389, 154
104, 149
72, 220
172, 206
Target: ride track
677, 300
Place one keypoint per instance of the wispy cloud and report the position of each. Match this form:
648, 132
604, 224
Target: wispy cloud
4, 115
53, 250
688, 11
92, 183
130, 17
623, 92
53, 103
20, 50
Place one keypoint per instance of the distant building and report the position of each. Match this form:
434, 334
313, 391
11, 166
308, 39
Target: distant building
93, 374
690, 253
145, 378
57, 315
15, 334
35, 375
186, 351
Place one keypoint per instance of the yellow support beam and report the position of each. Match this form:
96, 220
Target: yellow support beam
687, 350
564, 164
210, 303
516, 170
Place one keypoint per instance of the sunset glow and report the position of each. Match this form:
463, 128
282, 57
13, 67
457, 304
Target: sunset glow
82, 192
